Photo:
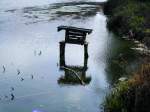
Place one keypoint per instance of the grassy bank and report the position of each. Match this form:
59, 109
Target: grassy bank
132, 95
129, 18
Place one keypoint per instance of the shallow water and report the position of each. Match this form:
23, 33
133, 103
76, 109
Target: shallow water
29, 57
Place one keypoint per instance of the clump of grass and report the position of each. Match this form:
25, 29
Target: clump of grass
114, 101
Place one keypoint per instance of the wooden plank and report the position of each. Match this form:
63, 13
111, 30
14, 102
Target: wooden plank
76, 32
75, 36
74, 29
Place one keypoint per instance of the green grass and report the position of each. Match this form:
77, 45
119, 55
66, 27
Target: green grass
114, 101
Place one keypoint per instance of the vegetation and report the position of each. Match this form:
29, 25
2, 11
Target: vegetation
132, 95
130, 18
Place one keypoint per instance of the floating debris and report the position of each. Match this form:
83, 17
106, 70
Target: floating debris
12, 96
18, 72
4, 69
32, 76
6, 96
12, 88
40, 53
12, 10
22, 79
55, 11
35, 16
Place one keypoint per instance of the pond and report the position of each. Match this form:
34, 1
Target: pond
30, 77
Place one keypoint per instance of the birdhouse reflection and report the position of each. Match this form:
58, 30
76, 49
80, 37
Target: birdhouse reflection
73, 75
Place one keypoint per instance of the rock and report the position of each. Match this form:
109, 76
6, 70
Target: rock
136, 42
122, 79
141, 45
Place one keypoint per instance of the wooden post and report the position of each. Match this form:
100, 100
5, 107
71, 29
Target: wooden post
62, 53
86, 50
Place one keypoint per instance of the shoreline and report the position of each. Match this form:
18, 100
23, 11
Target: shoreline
126, 19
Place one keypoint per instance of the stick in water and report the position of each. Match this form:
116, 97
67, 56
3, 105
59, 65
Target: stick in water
12, 96
4, 69
18, 72
76, 74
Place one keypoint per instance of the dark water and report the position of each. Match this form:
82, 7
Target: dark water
29, 57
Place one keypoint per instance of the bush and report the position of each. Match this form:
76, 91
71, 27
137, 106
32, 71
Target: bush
129, 15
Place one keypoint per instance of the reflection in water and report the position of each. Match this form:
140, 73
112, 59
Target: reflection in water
74, 74
20, 50
121, 61
71, 78
7, 4
47, 13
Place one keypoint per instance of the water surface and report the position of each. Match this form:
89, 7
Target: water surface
29, 56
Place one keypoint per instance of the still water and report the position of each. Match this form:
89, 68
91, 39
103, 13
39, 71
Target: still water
29, 56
